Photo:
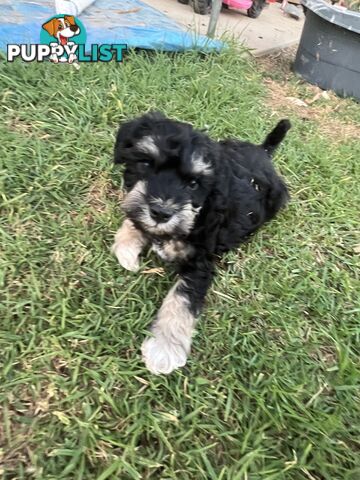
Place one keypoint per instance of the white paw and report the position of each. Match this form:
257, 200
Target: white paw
162, 356
127, 255
72, 58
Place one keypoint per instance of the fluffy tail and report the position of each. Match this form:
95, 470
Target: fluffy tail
276, 136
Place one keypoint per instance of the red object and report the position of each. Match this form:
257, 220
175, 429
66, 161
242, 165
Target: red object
252, 7
241, 4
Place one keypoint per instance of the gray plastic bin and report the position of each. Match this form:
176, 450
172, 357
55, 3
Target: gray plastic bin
329, 49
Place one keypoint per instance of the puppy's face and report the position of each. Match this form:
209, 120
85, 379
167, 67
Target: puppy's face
168, 174
62, 28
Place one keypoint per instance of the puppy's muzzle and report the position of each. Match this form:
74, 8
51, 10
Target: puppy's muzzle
161, 213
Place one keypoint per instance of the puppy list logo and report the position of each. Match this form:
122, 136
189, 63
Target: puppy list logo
62, 40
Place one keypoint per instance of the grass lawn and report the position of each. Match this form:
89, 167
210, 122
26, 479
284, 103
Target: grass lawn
271, 390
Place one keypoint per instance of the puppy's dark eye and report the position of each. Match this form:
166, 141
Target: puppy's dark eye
193, 184
143, 166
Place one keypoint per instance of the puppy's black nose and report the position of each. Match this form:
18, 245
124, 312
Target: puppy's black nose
74, 28
160, 213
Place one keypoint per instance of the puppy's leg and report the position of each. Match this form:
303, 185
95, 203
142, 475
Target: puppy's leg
172, 329
129, 241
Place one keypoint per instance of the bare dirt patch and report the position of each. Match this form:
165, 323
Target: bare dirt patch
101, 197
18, 125
100, 191
287, 94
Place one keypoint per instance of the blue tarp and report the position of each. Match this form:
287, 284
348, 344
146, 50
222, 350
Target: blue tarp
106, 21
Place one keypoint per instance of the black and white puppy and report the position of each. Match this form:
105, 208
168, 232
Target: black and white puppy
191, 198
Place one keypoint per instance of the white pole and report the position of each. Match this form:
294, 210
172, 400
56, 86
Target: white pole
215, 12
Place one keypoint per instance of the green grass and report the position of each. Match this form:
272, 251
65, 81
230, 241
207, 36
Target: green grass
271, 390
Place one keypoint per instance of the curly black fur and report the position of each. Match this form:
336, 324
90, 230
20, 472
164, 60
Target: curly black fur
226, 191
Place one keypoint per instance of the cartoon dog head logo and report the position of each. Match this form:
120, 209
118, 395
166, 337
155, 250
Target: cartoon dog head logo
63, 33
62, 28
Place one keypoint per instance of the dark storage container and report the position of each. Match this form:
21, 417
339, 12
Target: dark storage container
329, 49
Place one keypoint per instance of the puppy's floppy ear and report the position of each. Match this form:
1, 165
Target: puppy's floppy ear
50, 26
124, 140
70, 19
277, 197
129, 132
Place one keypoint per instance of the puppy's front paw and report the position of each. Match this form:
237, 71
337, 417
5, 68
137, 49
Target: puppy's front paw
161, 356
129, 242
127, 255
